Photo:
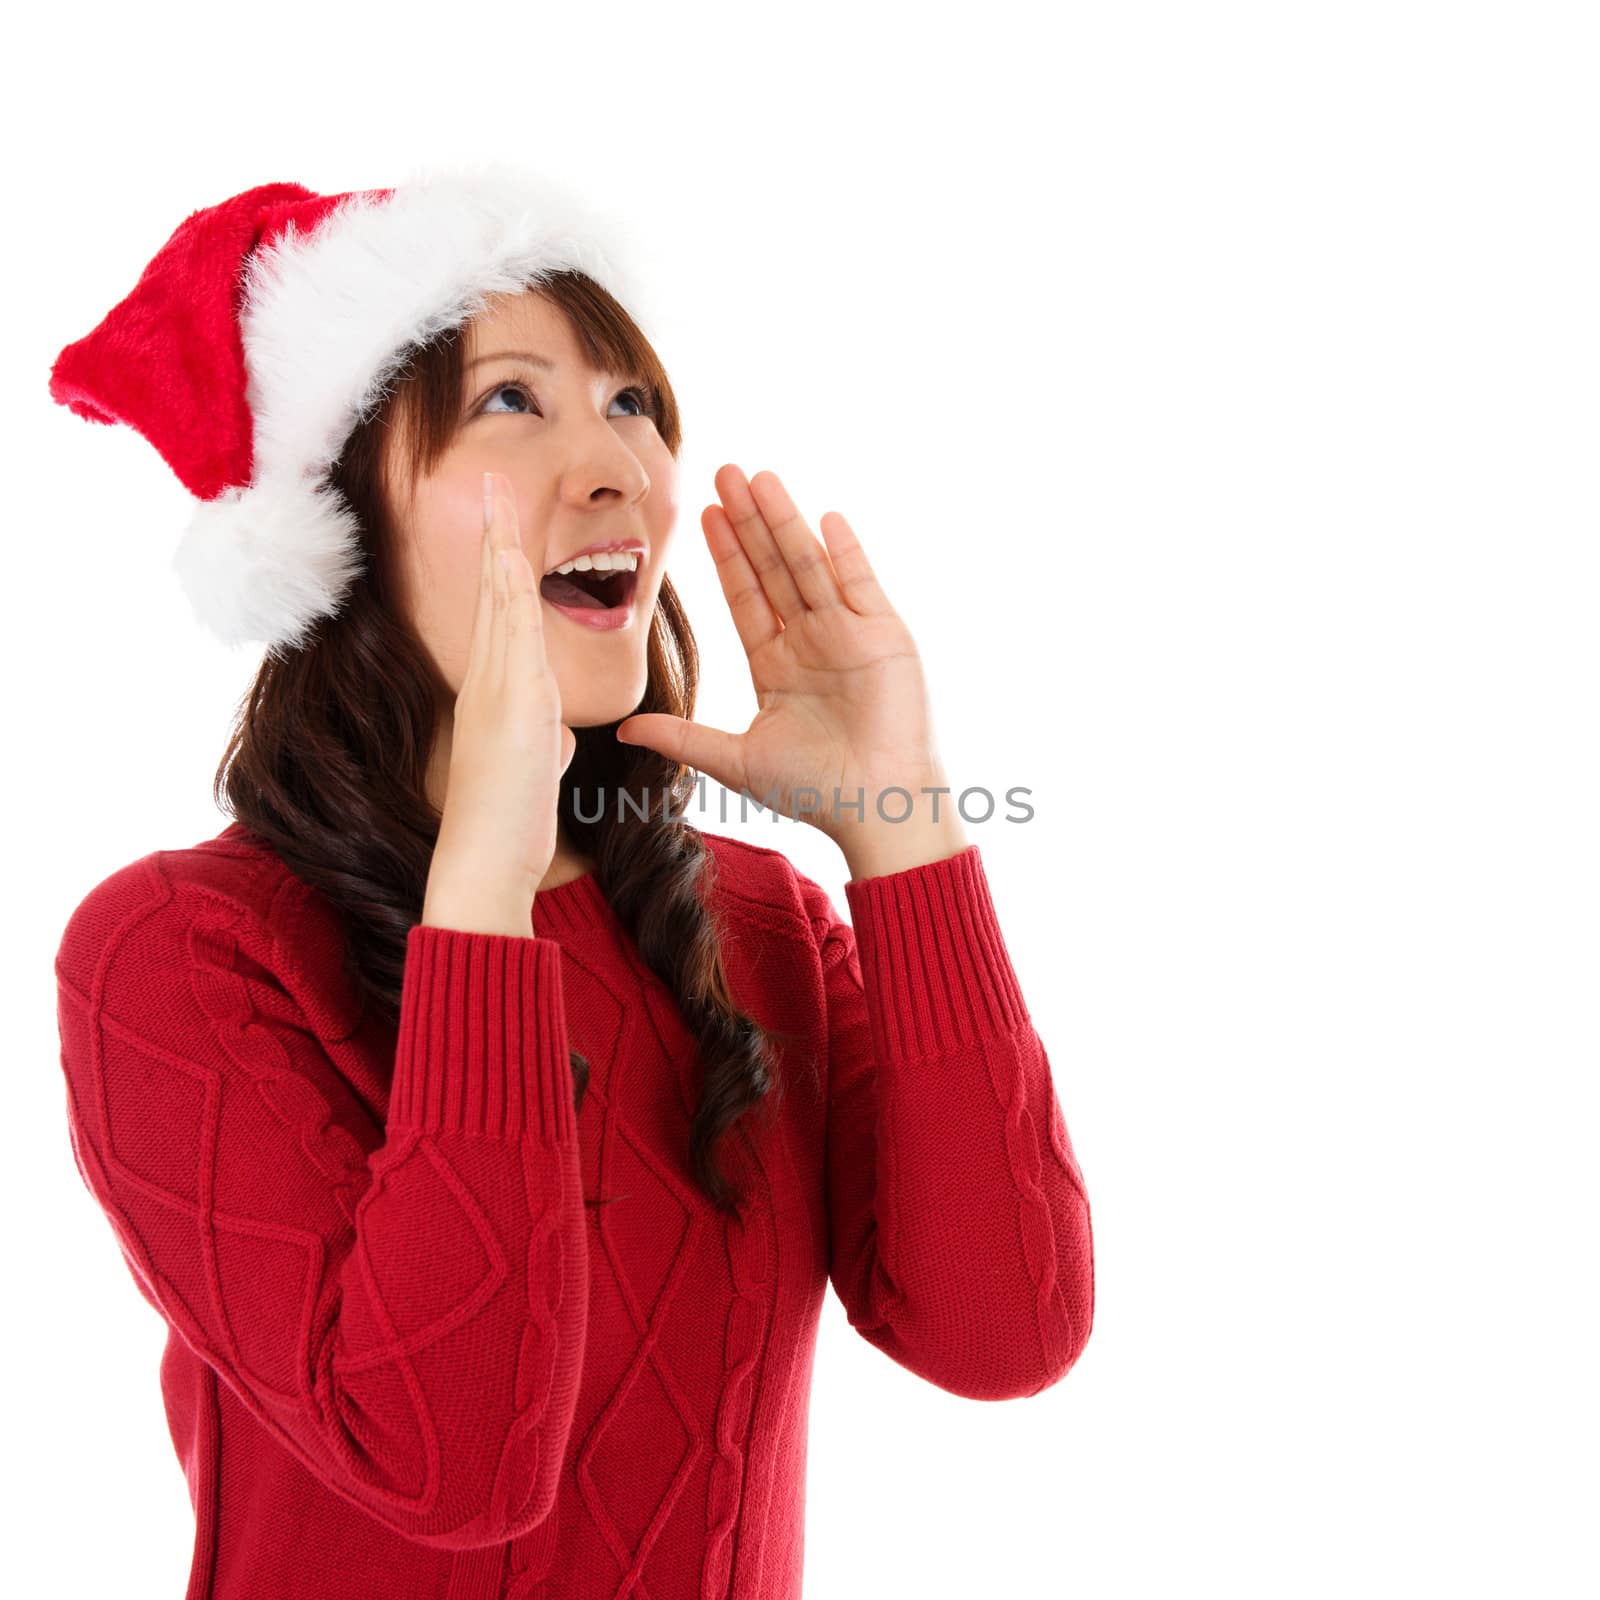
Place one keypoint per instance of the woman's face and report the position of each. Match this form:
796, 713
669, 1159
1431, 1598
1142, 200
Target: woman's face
585, 465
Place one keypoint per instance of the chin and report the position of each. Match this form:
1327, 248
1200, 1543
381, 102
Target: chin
592, 710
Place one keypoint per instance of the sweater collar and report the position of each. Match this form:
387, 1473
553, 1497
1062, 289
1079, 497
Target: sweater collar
569, 907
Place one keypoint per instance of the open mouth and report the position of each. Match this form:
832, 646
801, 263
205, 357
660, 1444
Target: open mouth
590, 591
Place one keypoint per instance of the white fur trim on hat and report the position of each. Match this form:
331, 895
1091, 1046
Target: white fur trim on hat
327, 320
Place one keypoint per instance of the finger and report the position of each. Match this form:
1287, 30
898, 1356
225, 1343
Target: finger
524, 621
858, 583
752, 612
807, 559
761, 550
707, 750
478, 646
495, 644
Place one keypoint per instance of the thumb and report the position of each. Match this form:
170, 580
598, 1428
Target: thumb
707, 750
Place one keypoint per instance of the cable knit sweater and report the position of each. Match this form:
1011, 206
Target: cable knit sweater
408, 1355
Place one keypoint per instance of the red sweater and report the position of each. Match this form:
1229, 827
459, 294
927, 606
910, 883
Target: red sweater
401, 1346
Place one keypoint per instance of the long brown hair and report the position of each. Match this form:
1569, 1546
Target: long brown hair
328, 757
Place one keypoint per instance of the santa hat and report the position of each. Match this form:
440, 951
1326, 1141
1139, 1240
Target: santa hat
270, 324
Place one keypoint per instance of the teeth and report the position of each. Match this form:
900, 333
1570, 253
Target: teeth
605, 561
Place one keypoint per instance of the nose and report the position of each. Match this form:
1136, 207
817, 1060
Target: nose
607, 473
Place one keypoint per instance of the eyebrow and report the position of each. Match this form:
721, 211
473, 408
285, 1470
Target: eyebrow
522, 355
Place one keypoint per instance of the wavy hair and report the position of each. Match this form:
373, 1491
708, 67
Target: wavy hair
328, 757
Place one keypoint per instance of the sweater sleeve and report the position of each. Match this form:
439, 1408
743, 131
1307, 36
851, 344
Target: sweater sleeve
959, 1224
402, 1307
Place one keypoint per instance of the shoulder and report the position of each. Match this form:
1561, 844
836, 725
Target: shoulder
173, 910
231, 878
756, 885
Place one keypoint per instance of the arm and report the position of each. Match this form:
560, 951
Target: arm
958, 1219
408, 1320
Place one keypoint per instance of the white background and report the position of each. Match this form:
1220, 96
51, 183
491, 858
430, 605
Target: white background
1215, 389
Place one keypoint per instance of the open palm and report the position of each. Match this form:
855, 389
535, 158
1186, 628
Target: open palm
841, 697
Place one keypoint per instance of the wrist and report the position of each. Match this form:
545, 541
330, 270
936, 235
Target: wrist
874, 848
477, 902
467, 919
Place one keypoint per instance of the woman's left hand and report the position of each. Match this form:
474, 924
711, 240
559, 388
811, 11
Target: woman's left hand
842, 700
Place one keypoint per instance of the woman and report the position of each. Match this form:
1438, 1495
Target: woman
485, 1132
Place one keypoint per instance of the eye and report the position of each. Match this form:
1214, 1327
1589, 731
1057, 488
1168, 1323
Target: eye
505, 388
634, 392
639, 396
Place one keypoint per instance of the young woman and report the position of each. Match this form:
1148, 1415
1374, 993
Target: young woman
486, 1132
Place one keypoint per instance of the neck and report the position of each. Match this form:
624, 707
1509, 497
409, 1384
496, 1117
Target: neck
565, 865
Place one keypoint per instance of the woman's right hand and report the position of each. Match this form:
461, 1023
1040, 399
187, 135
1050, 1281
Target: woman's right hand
509, 749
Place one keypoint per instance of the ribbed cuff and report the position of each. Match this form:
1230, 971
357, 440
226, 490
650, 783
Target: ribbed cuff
932, 957
483, 1037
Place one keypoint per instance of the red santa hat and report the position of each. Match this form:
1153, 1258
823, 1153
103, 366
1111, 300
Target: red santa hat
270, 324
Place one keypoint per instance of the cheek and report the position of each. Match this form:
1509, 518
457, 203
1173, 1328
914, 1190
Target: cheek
661, 507
459, 602
450, 511
443, 576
